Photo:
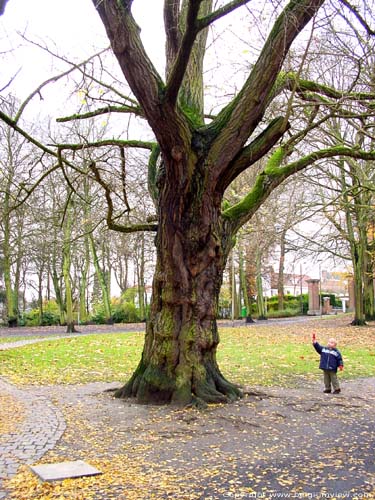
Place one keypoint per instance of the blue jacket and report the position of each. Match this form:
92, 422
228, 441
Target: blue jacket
330, 359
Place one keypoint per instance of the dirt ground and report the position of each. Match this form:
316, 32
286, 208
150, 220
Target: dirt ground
299, 442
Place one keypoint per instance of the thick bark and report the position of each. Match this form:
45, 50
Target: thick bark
178, 363
369, 302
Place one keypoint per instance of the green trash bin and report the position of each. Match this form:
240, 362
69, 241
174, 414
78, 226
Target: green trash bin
243, 312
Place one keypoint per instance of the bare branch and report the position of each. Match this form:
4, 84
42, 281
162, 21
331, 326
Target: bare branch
223, 11
124, 35
107, 142
179, 67
356, 13
101, 111
81, 68
50, 80
10, 81
110, 221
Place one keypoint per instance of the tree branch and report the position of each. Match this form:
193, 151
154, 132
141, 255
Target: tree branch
250, 154
50, 80
361, 20
235, 123
124, 97
204, 22
110, 220
13, 124
274, 174
289, 81
101, 111
107, 142
180, 64
124, 35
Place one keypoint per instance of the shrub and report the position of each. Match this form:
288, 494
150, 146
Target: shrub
284, 313
98, 315
125, 312
50, 316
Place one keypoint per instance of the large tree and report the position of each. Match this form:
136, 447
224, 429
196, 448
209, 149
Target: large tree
198, 163
193, 162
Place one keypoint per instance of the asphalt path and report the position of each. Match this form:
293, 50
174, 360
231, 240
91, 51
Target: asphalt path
41, 331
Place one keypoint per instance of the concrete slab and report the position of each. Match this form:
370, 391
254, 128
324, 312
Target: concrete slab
64, 470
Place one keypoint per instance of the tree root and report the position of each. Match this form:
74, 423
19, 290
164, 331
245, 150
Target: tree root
358, 322
151, 386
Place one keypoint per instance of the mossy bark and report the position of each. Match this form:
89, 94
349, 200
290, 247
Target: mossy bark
178, 363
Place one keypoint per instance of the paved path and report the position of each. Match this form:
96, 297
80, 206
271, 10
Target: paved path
21, 343
39, 432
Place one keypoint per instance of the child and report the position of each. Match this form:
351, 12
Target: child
330, 360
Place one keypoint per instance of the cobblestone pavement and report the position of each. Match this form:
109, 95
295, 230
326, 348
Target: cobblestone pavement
39, 432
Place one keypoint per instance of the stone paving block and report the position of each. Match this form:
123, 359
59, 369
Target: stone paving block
64, 470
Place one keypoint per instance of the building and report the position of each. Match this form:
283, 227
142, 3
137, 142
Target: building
294, 284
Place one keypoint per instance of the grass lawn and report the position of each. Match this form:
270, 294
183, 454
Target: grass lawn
262, 356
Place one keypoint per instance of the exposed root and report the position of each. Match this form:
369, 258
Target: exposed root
358, 322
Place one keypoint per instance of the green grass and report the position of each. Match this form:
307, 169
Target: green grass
74, 360
263, 356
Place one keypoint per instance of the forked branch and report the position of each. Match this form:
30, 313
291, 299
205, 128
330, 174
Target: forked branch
133, 228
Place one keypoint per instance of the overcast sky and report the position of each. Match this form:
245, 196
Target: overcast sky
72, 26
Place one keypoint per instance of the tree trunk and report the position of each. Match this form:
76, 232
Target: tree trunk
66, 271
280, 279
233, 289
101, 279
262, 313
140, 268
244, 287
7, 264
40, 293
83, 312
178, 363
357, 254
359, 318
369, 299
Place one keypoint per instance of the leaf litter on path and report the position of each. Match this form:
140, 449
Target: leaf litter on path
281, 440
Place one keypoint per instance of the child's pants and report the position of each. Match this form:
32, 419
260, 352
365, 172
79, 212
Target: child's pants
330, 377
